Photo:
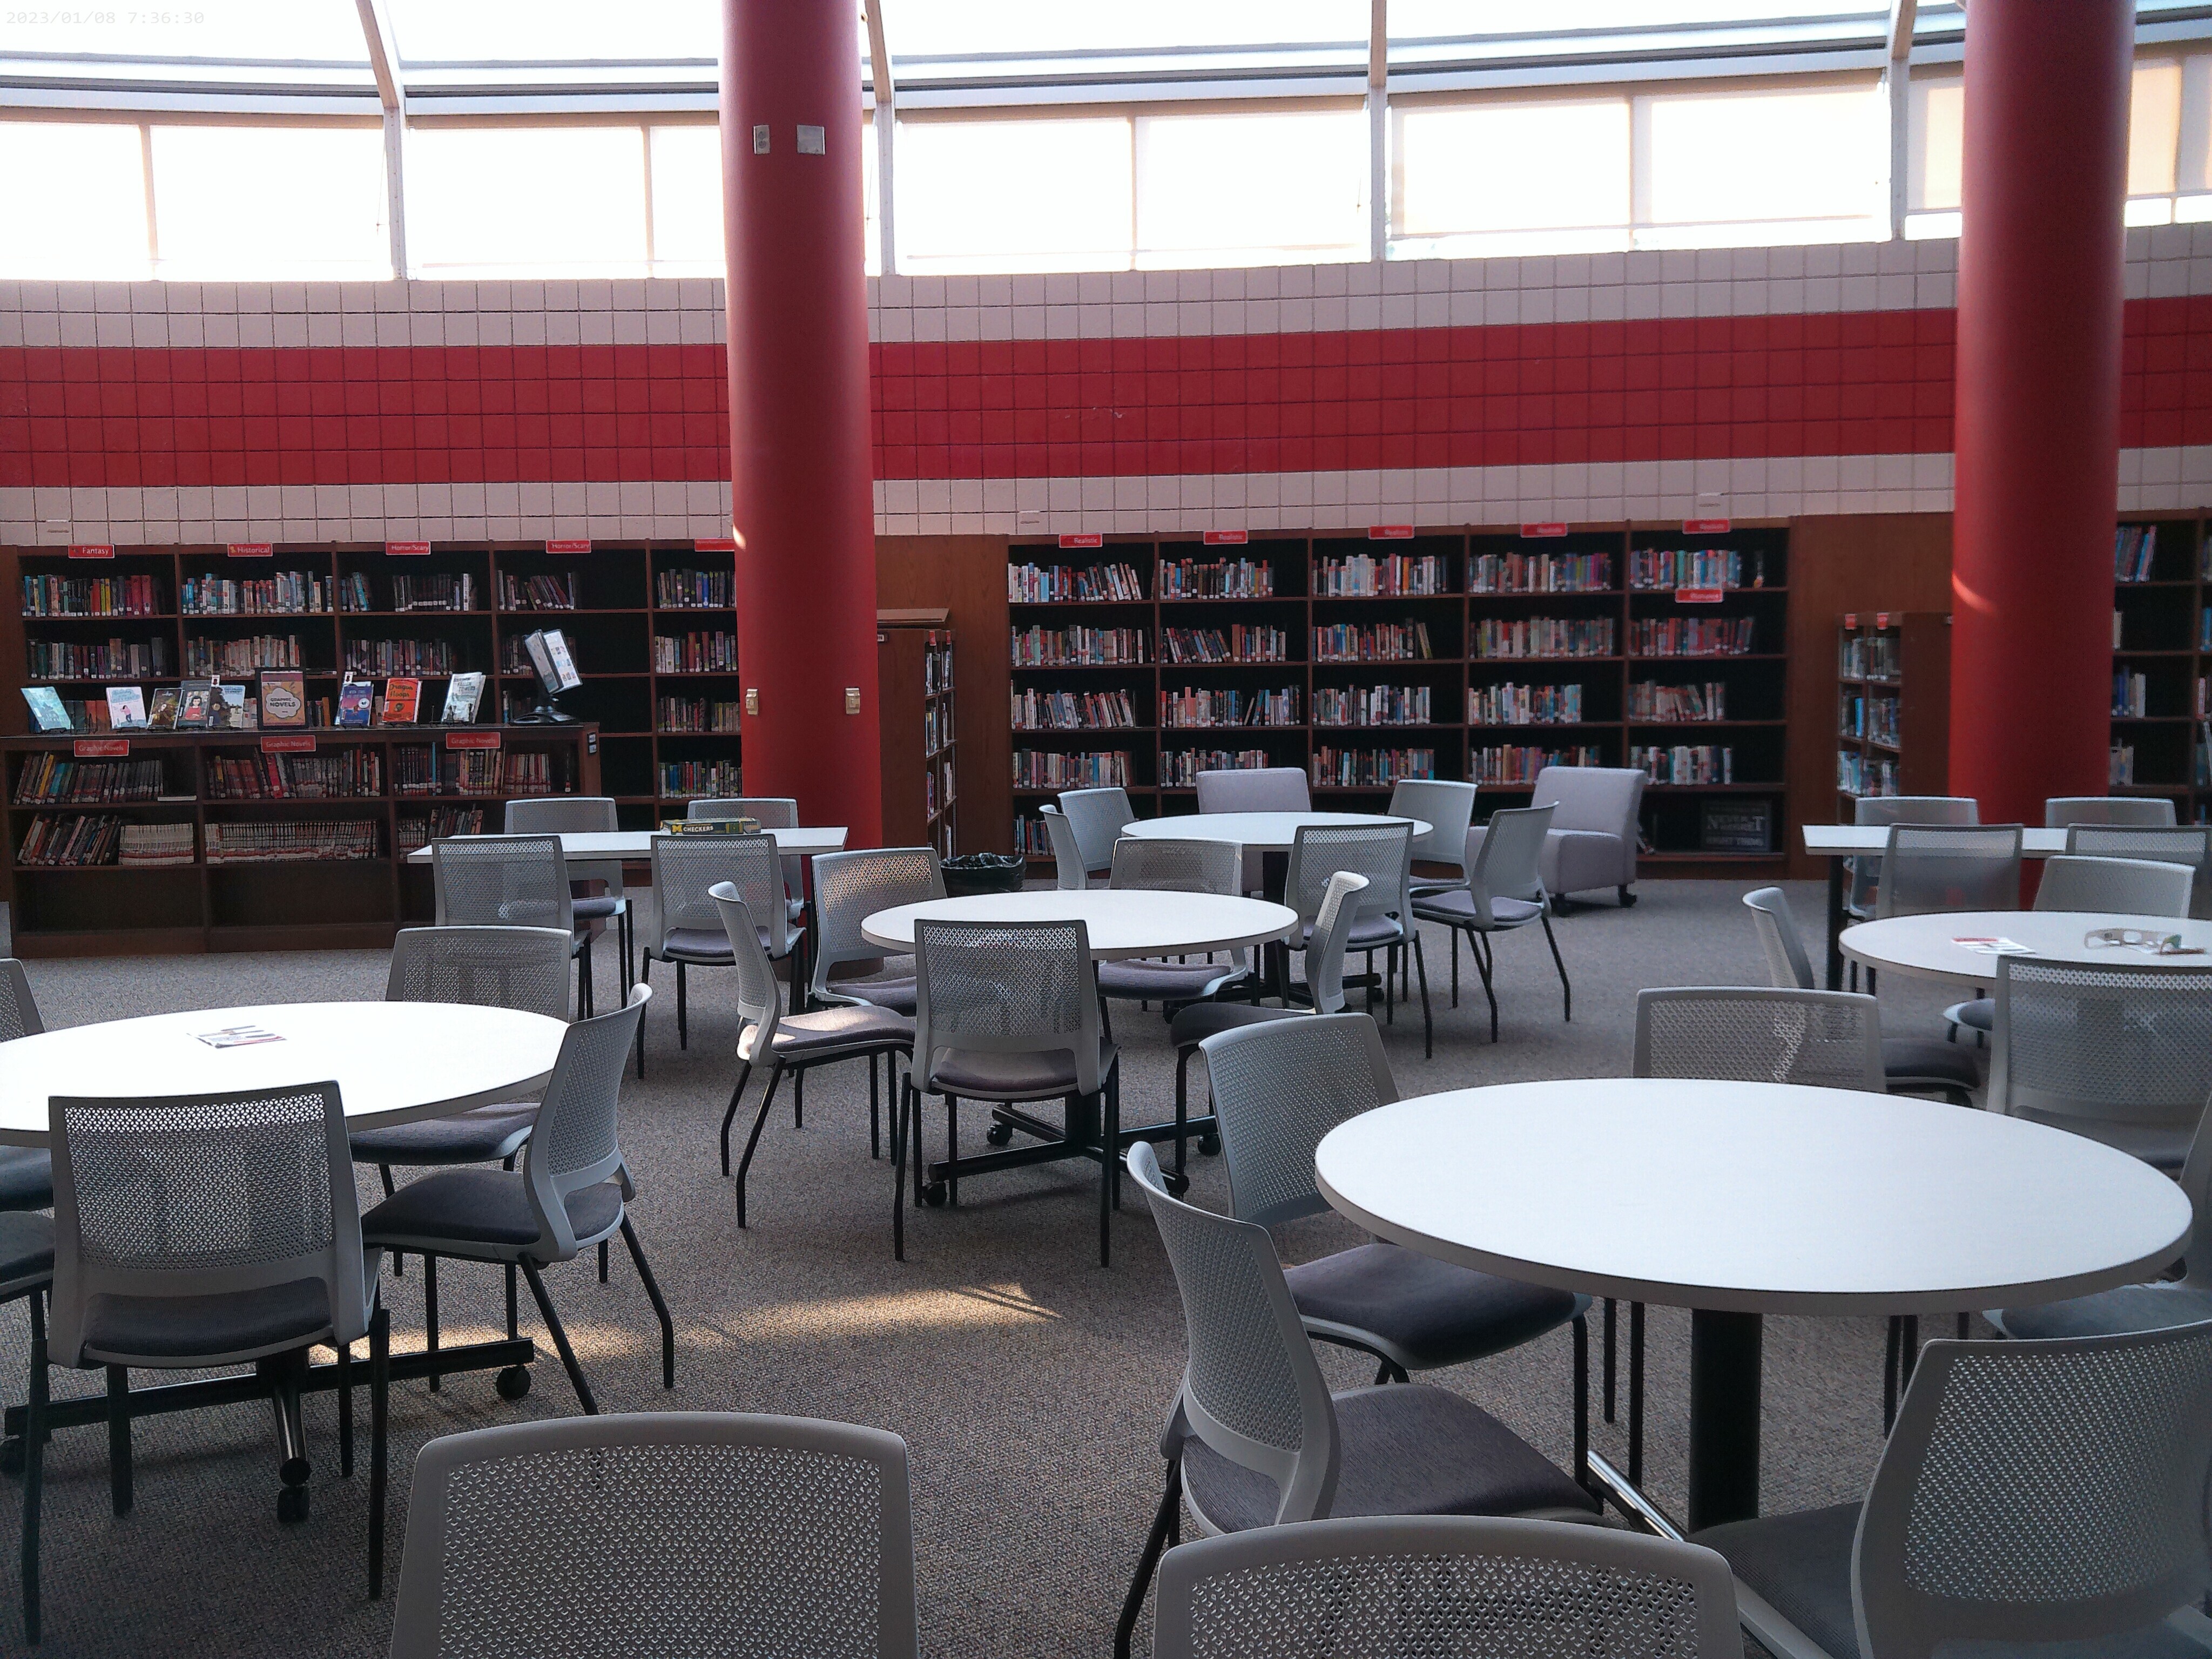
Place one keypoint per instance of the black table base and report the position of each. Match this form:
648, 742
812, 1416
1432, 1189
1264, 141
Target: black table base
1725, 1402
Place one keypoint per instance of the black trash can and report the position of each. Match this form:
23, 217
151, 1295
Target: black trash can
973, 874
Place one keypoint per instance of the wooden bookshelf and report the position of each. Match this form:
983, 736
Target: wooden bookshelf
231, 891
1893, 705
1457, 706
2161, 653
913, 681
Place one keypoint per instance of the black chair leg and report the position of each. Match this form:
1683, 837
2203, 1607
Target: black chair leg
1485, 962
683, 1018
1428, 1019
899, 1097
1612, 1326
1182, 1107
745, 1076
1167, 1526
119, 1438
1566, 991
1453, 933
659, 1304
760, 1121
512, 1328
379, 1425
875, 1112
603, 1261
430, 1313
1582, 1402
345, 1408
1107, 1157
1891, 1340
644, 977
560, 1335
1636, 1393
798, 1099
584, 988
34, 1468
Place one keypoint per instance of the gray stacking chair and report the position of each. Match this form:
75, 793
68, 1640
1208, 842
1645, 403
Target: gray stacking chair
1159, 865
1505, 890
848, 889
1009, 1014
197, 1231
2189, 844
510, 881
1254, 789
2150, 811
1278, 1090
1256, 1438
569, 1195
708, 1532
1448, 808
770, 812
2031, 1494
1865, 871
27, 1275
2184, 1300
2119, 1052
1097, 817
554, 815
1069, 872
1912, 1065
1442, 1587
794, 1042
27, 1173
1932, 867
687, 930
1383, 853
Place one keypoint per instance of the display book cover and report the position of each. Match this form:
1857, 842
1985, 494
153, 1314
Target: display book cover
47, 711
356, 700
403, 698
463, 693
127, 709
283, 697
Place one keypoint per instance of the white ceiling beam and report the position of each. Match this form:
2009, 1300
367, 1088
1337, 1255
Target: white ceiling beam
384, 64
886, 96
383, 54
1902, 16
1378, 128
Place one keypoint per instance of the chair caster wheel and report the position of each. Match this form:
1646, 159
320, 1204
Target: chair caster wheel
933, 1194
1210, 1145
11, 1454
294, 1472
292, 1505
999, 1134
513, 1382
1178, 1185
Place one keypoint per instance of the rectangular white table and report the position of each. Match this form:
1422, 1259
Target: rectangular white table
1837, 842
581, 846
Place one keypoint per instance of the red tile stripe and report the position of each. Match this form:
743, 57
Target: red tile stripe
1831, 384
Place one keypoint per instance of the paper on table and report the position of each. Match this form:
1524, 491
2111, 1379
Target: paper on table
237, 1036
1994, 947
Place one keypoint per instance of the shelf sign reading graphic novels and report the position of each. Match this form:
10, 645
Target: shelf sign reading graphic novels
1698, 595
472, 739
407, 549
1227, 538
100, 748
1091, 539
1705, 527
1389, 532
92, 549
287, 745
1529, 532
251, 550
573, 545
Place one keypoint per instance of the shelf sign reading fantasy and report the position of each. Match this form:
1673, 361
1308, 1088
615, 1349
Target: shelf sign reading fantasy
100, 748
1389, 532
92, 549
1705, 527
472, 739
407, 549
1227, 538
1531, 532
1091, 539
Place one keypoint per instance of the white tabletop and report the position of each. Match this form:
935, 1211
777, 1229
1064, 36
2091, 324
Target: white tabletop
1753, 1197
581, 846
1122, 923
1923, 947
393, 1060
1837, 841
1261, 832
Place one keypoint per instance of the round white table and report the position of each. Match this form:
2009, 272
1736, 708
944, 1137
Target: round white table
1923, 947
1737, 1200
1122, 923
1257, 832
392, 1061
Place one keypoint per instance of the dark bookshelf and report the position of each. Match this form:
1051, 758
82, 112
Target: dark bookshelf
1893, 705
915, 691
2161, 655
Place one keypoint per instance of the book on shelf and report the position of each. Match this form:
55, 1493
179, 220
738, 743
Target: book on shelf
231, 709
463, 693
156, 846
356, 700
2133, 549
162, 715
47, 711
127, 709
195, 705
402, 697
283, 697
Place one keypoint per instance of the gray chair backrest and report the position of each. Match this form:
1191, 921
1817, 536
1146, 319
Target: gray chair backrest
698, 1525
502, 881
1332, 932
1929, 867
1787, 964
685, 867
1601, 798
1509, 862
850, 887
1254, 789
1097, 817
2128, 887
19, 1011
760, 999
186, 1195
521, 968
1071, 872
1447, 808
2124, 1043
1383, 853
770, 811
1442, 1587
1760, 1033
1251, 1389
1865, 871
2039, 1491
1006, 989
2062, 811
578, 1143
2189, 844
551, 815
1156, 865
2197, 1186
1278, 1088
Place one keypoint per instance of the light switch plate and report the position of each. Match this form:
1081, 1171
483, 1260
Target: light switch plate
851, 699
752, 700
759, 140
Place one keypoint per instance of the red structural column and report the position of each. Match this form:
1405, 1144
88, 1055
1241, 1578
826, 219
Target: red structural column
801, 472
2037, 400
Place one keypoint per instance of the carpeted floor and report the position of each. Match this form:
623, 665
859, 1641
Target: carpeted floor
1029, 1384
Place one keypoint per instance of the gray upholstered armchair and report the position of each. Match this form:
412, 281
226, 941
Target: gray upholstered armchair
1592, 840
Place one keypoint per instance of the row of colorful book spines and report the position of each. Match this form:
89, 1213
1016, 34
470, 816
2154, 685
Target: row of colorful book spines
694, 653
1682, 763
92, 596
696, 715
48, 778
686, 589
537, 593
48, 659
701, 778
287, 592
1366, 768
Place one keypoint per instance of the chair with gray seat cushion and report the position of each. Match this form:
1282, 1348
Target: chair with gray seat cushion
2034, 1498
1442, 1587
510, 881
1506, 890
1254, 789
716, 1532
1097, 818
258, 1257
555, 815
1912, 1065
1156, 865
687, 929
848, 889
770, 812
27, 1173
569, 1195
1594, 830
2188, 844
2121, 1053
1256, 1438
794, 1042
2147, 812
1383, 853
1863, 872
27, 1275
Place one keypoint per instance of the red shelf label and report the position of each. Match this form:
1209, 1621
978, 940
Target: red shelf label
472, 739
287, 745
573, 545
1227, 538
1698, 595
92, 549
1091, 539
101, 748
1705, 527
1881, 619
1389, 532
1530, 532
719, 544
251, 550
1851, 619
407, 549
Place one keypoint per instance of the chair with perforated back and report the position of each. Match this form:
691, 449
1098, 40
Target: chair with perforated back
770, 812
197, 1231
1504, 891
27, 1174
1160, 866
1255, 1437
1928, 868
1009, 1014
706, 1532
1097, 818
510, 881
794, 1042
687, 929
1912, 1065
1383, 920
569, 1195
1440, 855
556, 815
2031, 1494
1070, 874
1864, 871
2148, 811
2186, 844
848, 889
2121, 1053
1254, 789
1442, 1587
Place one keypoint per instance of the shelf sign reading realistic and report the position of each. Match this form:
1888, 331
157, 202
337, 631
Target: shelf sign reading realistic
1698, 595
716, 544
92, 549
1227, 538
1705, 527
1530, 532
251, 550
573, 545
100, 748
302, 745
1389, 532
1091, 539
472, 739
407, 549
